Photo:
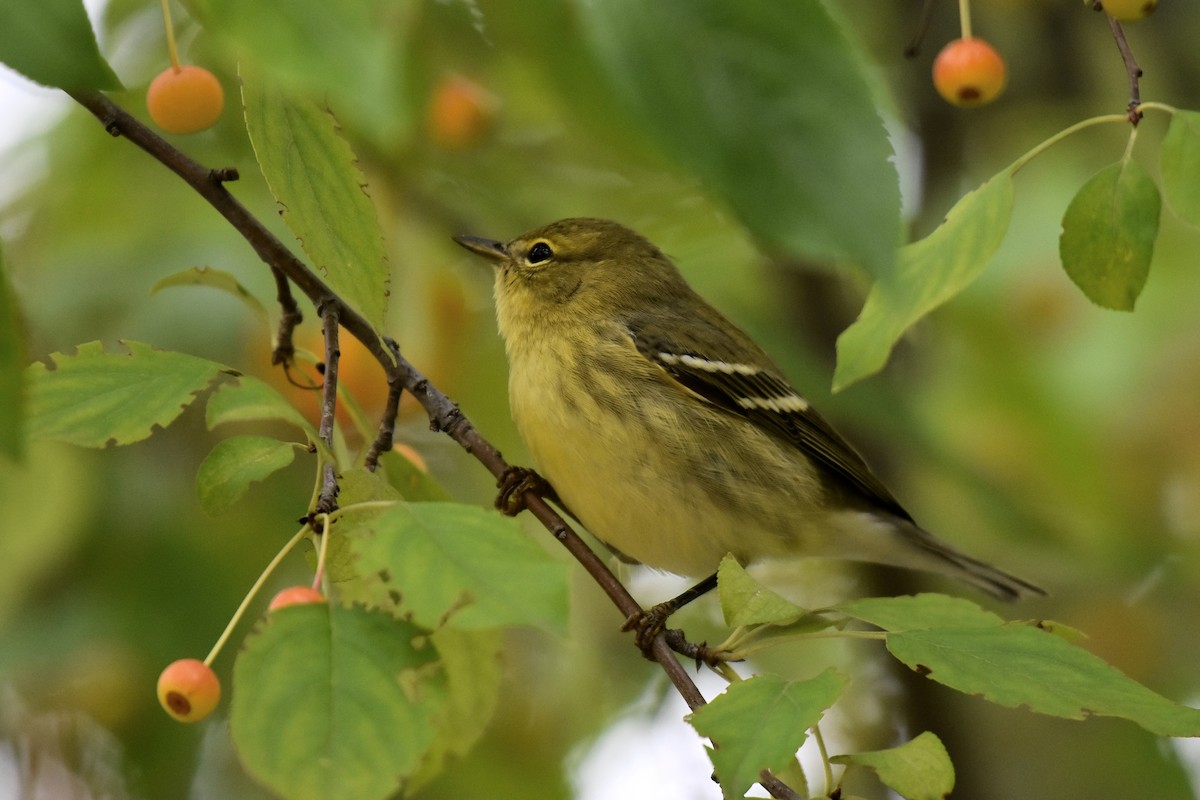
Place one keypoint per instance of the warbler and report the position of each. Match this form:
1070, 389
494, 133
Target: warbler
669, 434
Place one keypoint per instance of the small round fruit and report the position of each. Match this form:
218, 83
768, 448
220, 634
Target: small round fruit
295, 596
969, 72
188, 690
1129, 10
461, 114
185, 99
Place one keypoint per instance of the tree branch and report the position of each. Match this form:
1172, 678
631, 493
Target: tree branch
444, 415
1131, 66
327, 501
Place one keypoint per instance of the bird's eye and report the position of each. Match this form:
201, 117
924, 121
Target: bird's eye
539, 252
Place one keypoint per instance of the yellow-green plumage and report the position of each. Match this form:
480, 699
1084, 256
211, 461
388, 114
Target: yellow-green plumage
668, 432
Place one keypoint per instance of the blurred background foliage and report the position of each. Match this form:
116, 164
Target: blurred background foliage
1054, 438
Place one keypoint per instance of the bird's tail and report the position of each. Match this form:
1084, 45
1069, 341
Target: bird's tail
956, 564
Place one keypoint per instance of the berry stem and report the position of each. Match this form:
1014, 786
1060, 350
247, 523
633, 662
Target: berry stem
250, 595
320, 571
964, 17
1045, 145
171, 49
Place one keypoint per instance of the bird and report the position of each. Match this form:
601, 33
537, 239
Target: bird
670, 434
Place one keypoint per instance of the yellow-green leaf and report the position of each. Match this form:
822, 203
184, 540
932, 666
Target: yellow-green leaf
919, 769
234, 464
928, 273
314, 175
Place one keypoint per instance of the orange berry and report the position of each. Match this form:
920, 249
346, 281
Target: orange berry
461, 113
188, 690
295, 596
969, 72
1129, 10
185, 99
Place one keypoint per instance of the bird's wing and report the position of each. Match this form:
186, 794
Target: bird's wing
759, 394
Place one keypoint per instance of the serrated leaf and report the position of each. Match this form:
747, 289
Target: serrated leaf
94, 397
216, 279
928, 273
740, 94
1024, 666
919, 769
744, 601
915, 612
335, 702
760, 723
12, 371
234, 464
1180, 160
1108, 234
52, 42
313, 174
250, 400
464, 567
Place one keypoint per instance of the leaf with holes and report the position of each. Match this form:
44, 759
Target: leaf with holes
335, 702
93, 397
464, 567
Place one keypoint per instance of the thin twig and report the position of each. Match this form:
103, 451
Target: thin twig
444, 415
327, 502
387, 425
1131, 69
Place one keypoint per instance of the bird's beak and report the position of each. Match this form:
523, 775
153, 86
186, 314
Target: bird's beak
489, 249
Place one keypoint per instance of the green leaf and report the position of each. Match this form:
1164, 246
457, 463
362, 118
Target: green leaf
914, 612
744, 601
12, 371
916, 770
1024, 666
51, 42
313, 174
928, 273
335, 702
94, 397
760, 723
1108, 234
251, 400
1180, 161
217, 279
464, 567
234, 464
771, 105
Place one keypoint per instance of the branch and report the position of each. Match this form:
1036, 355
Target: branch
1131, 66
327, 501
444, 415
